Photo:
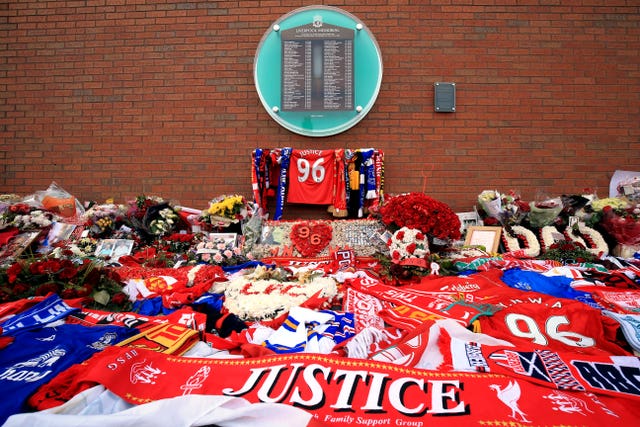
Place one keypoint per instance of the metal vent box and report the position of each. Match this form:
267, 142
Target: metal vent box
444, 97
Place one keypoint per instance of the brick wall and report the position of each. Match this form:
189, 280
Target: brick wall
119, 98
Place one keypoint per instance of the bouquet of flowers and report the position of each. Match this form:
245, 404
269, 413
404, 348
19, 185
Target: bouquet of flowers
623, 222
409, 245
152, 217
506, 209
568, 252
545, 212
25, 217
39, 276
226, 210
138, 208
421, 212
103, 219
221, 252
164, 222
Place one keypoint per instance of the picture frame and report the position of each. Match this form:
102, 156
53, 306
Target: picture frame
486, 236
113, 248
59, 232
17, 245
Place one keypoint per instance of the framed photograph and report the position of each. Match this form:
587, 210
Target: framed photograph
113, 248
17, 245
60, 231
488, 237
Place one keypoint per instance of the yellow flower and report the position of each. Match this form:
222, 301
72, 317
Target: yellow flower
227, 207
614, 202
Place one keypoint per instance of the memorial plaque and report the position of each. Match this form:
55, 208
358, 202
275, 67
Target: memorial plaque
329, 66
317, 68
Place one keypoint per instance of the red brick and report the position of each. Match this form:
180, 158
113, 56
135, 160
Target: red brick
142, 96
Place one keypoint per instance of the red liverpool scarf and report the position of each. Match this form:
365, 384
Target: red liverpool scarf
343, 392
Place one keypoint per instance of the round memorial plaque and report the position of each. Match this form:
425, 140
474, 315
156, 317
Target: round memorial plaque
318, 71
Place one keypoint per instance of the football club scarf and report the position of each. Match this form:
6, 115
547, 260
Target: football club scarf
11, 308
300, 332
567, 371
378, 157
339, 204
504, 263
630, 326
557, 286
615, 299
285, 156
371, 187
343, 392
169, 338
256, 177
48, 310
365, 308
38, 355
415, 304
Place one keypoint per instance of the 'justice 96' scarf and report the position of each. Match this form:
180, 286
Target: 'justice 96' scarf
341, 392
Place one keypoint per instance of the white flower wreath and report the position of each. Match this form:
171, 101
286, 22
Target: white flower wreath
267, 299
512, 243
408, 243
590, 238
548, 235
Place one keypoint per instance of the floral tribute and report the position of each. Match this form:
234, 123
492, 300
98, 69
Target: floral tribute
421, 212
311, 238
409, 245
25, 217
568, 252
507, 209
218, 251
520, 241
104, 219
152, 217
41, 276
267, 293
226, 210
623, 222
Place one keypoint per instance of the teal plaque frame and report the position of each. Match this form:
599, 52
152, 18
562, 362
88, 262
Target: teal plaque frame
311, 99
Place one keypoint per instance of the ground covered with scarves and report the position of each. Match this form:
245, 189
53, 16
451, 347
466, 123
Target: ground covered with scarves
151, 313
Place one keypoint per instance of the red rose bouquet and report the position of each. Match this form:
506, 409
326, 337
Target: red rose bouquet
39, 276
421, 212
623, 224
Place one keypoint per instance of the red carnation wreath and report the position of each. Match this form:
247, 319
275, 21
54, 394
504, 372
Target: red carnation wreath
310, 238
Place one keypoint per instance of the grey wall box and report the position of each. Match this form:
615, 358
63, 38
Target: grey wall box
444, 97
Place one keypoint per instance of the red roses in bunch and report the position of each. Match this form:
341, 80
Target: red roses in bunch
42, 276
421, 212
623, 223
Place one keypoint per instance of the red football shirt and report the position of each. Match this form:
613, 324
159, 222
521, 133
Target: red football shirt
311, 177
